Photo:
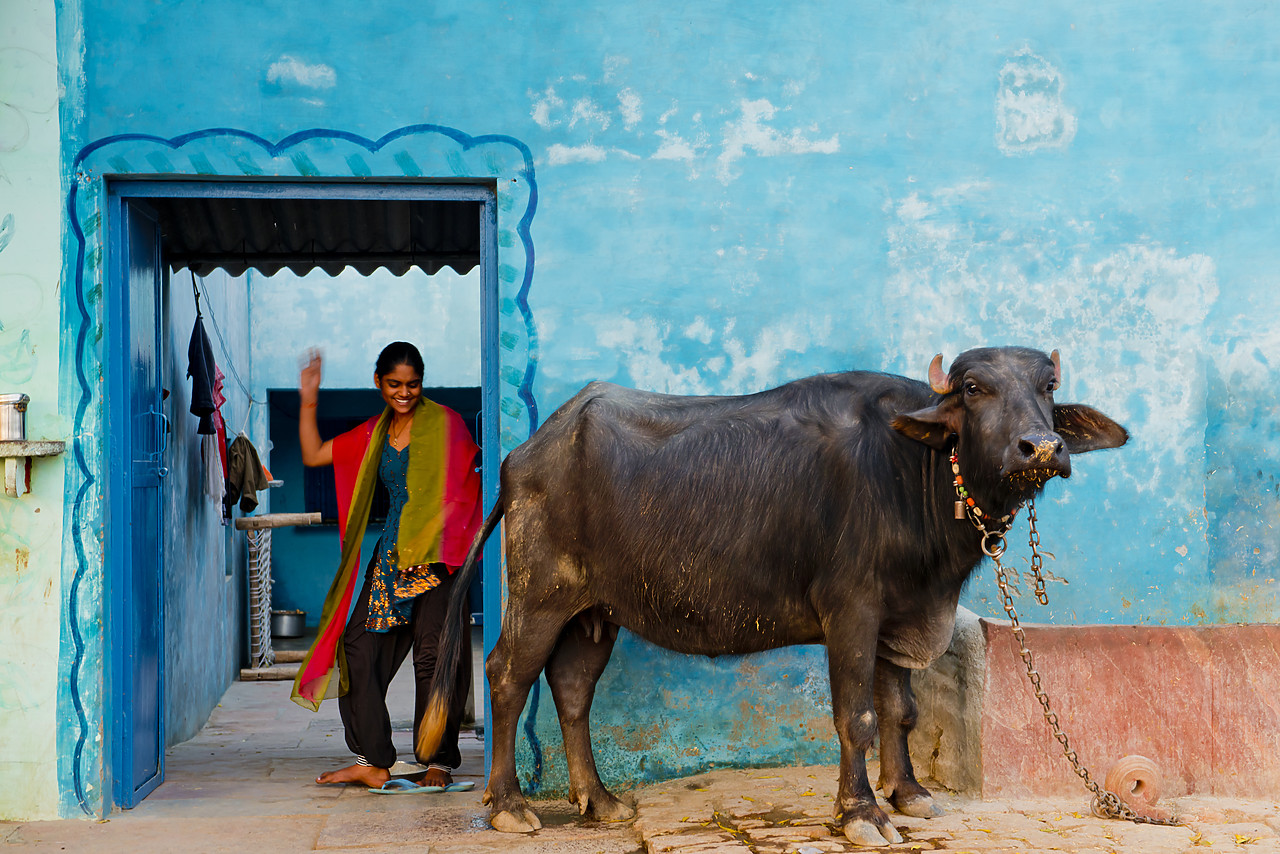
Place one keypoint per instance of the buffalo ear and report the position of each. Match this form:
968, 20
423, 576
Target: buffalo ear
1086, 429
933, 426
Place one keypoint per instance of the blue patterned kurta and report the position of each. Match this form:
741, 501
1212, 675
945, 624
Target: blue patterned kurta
391, 592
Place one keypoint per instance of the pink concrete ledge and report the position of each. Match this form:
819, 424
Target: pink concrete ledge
1202, 702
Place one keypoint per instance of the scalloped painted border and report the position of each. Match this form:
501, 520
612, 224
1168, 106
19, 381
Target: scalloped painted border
426, 152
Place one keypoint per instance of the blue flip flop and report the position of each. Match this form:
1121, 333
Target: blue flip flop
400, 786
462, 786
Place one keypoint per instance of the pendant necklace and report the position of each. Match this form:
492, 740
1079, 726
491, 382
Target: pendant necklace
395, 436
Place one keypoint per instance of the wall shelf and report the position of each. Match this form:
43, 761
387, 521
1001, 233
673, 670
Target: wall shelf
17, 456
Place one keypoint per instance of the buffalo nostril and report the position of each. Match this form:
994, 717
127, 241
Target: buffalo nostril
1040, 448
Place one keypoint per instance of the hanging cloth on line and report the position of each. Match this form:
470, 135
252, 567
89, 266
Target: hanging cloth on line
245, 475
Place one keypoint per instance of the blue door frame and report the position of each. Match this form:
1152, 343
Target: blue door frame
118, 556
134, 505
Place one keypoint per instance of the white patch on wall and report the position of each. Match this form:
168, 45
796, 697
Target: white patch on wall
1030, 112
699, 330
757, 367
582, 110
674, 147
641, 345
631, 106
288, 69
558, 155
587, 112
659, 358
544, 104
752, 131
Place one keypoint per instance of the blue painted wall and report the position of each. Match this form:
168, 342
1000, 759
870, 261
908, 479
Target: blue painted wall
205, 565
736, 194
743, 194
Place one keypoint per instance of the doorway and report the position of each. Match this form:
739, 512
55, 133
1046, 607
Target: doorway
155, 228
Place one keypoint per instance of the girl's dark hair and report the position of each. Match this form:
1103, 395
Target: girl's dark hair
398, 353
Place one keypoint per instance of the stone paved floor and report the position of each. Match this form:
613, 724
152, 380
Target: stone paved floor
789, 810
244, 784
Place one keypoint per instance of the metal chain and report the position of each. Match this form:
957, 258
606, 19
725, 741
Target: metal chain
1105, 804
1037, 562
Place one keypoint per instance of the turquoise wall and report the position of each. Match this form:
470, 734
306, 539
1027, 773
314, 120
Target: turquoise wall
732, 195
742, 193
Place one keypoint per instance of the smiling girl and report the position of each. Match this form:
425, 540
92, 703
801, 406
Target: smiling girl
424, 456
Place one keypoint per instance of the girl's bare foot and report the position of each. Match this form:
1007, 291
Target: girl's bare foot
364, 775
437, 777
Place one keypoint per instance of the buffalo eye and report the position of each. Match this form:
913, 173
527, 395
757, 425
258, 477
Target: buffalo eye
1051, 387
971, 388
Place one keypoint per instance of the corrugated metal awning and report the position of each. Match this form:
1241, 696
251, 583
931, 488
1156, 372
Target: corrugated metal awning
270, 234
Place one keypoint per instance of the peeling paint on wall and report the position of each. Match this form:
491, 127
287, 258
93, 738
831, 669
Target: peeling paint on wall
747, 127
651, 354
1030, 112
1127, 319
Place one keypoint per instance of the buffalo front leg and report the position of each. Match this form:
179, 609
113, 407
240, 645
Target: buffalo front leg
575, 667
852, 660
522, 650
896, 708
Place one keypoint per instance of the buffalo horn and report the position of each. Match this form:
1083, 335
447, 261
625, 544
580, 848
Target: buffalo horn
938, 380
1057, 367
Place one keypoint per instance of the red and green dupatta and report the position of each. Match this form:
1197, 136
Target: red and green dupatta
437, 525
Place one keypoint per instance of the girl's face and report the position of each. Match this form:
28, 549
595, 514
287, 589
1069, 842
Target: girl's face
401, 388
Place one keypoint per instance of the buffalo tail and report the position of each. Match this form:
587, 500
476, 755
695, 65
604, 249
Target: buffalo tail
456, 627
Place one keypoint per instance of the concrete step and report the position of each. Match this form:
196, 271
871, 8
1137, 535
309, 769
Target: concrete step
274, 673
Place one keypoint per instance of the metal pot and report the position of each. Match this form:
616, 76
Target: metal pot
13, 417
288, 624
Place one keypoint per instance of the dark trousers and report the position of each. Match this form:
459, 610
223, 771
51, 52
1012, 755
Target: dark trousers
373, 659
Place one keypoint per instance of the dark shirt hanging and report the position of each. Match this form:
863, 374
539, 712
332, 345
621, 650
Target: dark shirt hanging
202, 371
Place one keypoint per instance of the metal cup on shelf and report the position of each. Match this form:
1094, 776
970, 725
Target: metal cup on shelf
13, 417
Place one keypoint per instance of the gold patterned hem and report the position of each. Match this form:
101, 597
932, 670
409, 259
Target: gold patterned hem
413, 581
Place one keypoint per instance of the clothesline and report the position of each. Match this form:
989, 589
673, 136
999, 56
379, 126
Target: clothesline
233, 474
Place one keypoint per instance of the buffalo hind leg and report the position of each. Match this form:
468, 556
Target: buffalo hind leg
579, 658
523, 647
896, 708
851, 658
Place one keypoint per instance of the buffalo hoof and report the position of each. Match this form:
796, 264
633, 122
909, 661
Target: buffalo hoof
510, 822
860, 831
920, 806
605, 808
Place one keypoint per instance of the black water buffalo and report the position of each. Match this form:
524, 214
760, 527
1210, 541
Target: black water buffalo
822, 511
